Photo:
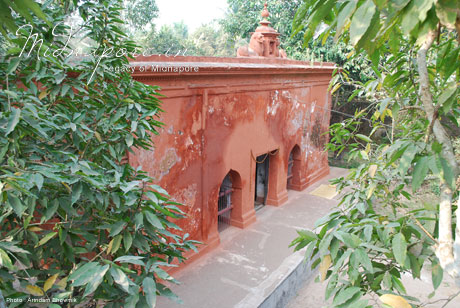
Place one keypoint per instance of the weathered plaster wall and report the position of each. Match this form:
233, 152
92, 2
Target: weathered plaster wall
219, 118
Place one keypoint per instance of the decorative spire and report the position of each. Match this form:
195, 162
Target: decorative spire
265, 13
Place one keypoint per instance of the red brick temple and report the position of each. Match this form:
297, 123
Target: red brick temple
239, 132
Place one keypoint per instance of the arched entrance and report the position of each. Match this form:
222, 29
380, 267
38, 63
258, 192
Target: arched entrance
228, 199
293, 172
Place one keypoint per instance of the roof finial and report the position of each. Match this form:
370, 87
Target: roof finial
265, 12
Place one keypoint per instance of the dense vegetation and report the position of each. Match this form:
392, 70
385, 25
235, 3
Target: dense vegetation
385, 224
77, 222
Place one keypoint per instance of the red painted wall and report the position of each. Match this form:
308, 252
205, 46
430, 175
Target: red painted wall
219, 117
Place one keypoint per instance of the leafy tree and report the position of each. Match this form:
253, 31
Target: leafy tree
383, 227
170, 39
77, 222
211, 40
243, 17
140, 13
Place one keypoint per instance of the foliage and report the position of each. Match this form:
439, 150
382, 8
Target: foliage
77, 222
243, 17
381, 228
207, 40
140, 13
170, 40
211, 40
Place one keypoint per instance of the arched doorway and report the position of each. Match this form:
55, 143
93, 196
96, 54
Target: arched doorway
293, 172
228, 199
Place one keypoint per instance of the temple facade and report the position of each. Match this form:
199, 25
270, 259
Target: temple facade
238, 134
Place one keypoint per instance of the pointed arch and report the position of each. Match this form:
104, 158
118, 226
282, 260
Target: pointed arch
229, 199
294, 168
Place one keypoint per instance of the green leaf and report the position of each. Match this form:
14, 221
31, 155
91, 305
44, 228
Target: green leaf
96, 279
361, 21
16, 204
134, 126
415, 266
120, 278
363, 259
414, 13
50, 210
387, 283
344, 295
348, 239
307, 235
420, 172
83, 274
76, 192
5, 260
446, 95
131, 259
448, 173
129, 140
344, 16
117, 228
139, 221
13, 120
323, 9
116, 243
150, 289
13, 65
46, 238
446, 12
436, 273
131, 301
399, 247
34, 7
127, 240
364, 138
166, 292
12, 247
38, 179
153, 220
407, 158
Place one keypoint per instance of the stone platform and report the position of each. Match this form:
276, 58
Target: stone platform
254, 267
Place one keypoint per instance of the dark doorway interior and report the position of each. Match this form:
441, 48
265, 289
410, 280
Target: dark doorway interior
225, 204
290, 166
293, 170
261, 182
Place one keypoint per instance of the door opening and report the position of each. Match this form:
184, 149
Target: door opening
261, 180
293, 169
225, 204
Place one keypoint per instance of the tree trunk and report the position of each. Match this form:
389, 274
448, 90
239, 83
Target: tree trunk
449, 260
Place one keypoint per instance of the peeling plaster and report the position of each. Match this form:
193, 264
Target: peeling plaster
313, 105
295, 124
169, 160
188, 141
196, 125
187, 196
226, 122
272, 108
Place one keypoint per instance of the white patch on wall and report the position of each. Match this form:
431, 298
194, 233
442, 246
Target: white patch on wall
296, 123
188, 141
275, 103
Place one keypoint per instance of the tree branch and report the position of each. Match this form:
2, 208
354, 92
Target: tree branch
445, 250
